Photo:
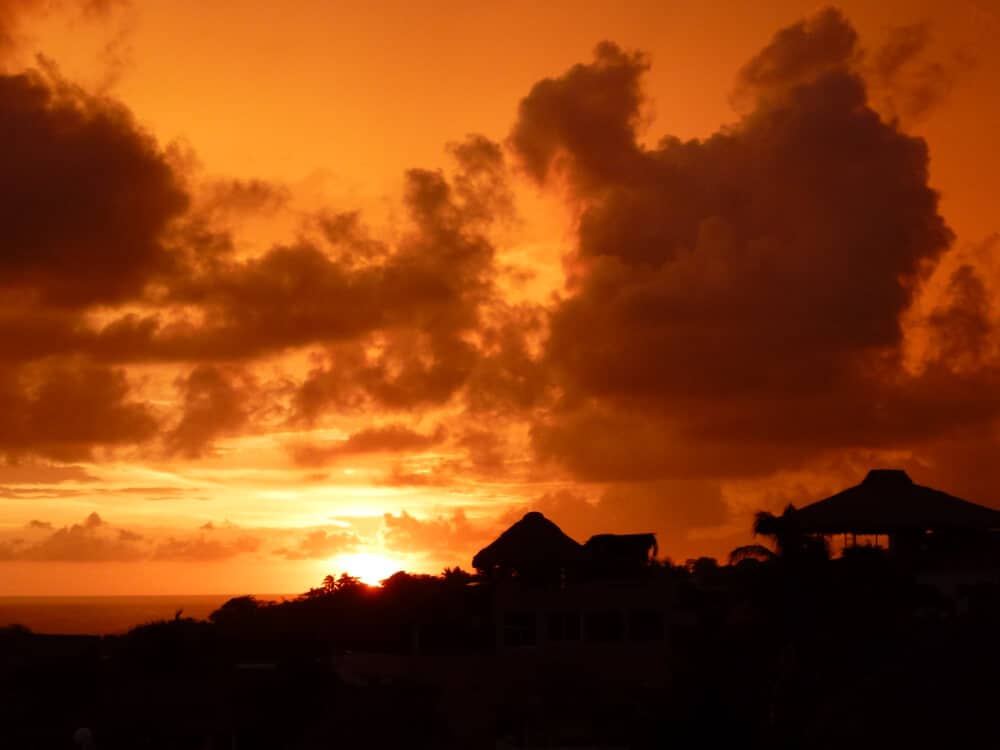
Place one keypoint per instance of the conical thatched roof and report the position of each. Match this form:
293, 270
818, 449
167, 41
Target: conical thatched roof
888, 501
531, 542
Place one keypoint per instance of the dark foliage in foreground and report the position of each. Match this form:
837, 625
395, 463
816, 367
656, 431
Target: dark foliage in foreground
776, 652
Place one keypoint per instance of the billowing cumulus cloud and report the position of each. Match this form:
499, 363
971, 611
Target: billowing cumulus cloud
762, 300
98, 216
736, 301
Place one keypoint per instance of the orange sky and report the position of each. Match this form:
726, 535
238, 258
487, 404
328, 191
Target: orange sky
327, 405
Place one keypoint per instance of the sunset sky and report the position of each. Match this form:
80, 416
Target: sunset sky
289, 289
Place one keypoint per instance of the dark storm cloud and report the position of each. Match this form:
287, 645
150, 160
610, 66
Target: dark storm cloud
735, 303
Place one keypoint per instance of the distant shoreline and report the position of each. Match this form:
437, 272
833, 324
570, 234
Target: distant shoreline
107, 615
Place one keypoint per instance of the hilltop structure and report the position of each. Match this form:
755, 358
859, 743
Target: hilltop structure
536, 551
552, 592
922, 527
889, 502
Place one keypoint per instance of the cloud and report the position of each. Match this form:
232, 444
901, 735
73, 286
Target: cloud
909, 82
64, 411
451, 537
799, 54
96, 540
750, 302
391, 438
735, 302
14, 12
90, 541
594, 133
85, 195
671, 509
35, 473
320, 544
203, 549
395, 316
216, 401
397, 321
235, 197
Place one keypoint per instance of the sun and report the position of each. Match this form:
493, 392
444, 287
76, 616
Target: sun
371, 567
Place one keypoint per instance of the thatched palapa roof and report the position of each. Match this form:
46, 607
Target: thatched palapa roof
531, 542
888, 501
631, 547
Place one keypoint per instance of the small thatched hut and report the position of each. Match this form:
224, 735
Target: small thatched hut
532, 545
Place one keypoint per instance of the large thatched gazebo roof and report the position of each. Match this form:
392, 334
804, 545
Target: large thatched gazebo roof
532, 542
889, 502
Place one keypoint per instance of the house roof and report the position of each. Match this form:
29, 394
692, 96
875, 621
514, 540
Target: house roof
889, 501
532, 541
638, 546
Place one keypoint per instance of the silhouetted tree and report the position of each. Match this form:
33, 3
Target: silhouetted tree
457, 575
237, 610
791, 544
754, 552
347, 582
702, 566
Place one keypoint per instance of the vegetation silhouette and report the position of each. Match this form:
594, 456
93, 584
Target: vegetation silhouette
598, 644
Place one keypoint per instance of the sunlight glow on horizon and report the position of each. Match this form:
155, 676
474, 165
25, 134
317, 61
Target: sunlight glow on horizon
370, 567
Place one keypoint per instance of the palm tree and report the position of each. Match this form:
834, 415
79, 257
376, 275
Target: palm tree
757, 552
789, 540
457, 576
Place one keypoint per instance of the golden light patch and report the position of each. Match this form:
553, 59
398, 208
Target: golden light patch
371, 567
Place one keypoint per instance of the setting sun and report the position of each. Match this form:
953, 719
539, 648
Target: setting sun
372, 568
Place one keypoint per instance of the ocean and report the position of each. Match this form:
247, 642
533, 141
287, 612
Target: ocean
106, 615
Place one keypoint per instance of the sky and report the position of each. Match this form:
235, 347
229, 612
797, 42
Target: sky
321, 288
